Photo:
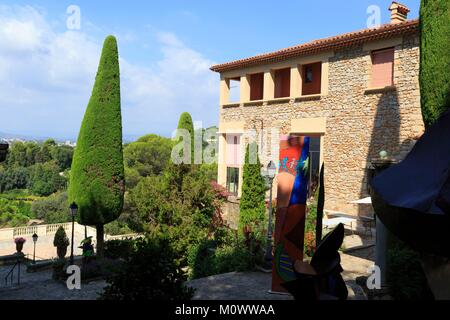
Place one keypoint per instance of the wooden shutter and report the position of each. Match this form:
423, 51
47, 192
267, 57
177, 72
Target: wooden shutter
283, 83
382, 68
256, 86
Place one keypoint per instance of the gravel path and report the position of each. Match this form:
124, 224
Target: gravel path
255, 285
41, 286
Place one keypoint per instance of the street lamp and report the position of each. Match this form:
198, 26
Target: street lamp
35, 238
270, 175
73, 212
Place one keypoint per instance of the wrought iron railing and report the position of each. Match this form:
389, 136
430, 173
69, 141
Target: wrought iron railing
10, 274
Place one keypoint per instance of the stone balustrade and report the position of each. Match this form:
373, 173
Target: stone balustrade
43, 230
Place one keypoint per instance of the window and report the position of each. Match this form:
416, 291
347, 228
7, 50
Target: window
282, 83
256, 86
235, 89
382, 68
233, 150
311, 78
233, 180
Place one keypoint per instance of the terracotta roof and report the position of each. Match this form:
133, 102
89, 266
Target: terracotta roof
344, 40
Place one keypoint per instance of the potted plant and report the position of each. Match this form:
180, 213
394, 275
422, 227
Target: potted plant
19, 243
61, 242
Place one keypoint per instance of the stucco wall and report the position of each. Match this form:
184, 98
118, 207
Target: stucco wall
359, 122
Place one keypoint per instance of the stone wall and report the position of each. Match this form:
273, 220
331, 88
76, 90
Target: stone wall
359, 122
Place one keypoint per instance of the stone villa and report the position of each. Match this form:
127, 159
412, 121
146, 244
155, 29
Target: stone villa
355, 94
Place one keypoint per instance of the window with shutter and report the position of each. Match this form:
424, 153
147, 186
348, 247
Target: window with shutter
382, 68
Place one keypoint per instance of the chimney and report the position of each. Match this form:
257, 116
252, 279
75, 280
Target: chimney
399, 12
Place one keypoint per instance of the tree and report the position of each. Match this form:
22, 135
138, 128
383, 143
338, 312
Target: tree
185, 123
149, 155
13, 178
97, 183
44, 179
53, 209
434, 59
252, 205
63, 156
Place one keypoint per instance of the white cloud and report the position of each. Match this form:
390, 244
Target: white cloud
46, 79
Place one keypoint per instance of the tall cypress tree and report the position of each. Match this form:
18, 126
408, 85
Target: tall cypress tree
176, 171
186, 123
97, 173
434, 58
252, 204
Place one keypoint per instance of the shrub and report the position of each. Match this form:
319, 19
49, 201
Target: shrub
200, 259
405, 275
209, 258
53, 209
151, 272
119, 249
310, 230
61, 239
97, 183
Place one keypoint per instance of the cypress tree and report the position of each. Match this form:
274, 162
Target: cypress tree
252, 204
97, 173
176, 171
186, 123
434, 59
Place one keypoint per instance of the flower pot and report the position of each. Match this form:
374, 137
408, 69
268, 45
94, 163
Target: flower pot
19, 246
61, 252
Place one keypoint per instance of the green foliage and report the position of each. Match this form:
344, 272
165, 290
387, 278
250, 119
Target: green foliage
63, 156
209, 258
310, 230
13, 178
44, 179
53, 209
406, 278
434, 58
185, 215
150, 272
252, 204
186, 123
61, 239
117, 227
97, 174
119, 249
209, 170
35, 166
14, 213
149, 155
320, 196
26, 154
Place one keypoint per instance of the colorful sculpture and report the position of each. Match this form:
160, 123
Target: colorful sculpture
291, 208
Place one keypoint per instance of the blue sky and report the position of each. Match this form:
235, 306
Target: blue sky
166, 49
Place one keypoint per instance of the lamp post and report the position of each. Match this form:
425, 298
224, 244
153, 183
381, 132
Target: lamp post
35, 238
270, 175
73, 212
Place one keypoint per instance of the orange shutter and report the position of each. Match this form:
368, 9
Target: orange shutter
382, 68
